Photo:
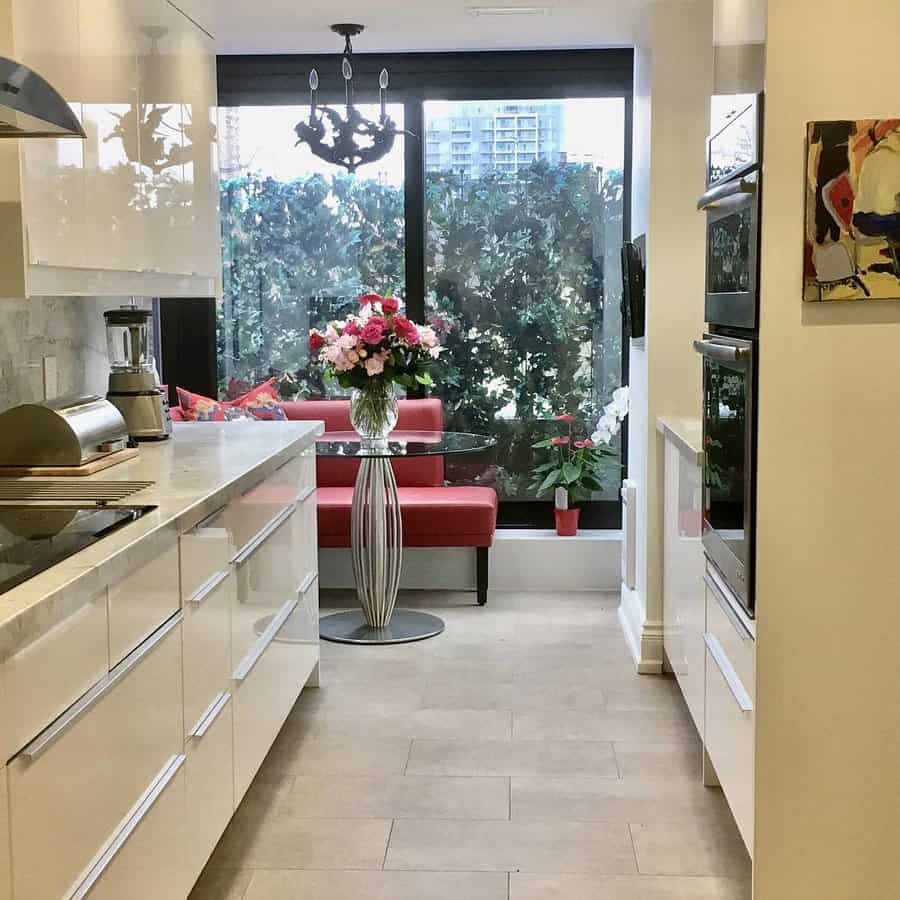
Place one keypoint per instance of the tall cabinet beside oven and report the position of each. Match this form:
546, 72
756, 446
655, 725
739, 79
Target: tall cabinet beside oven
730, 350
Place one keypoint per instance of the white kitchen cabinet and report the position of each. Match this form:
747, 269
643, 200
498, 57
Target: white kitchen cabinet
134, 208
44, 678
270, 678
53, 171
152, 860
684, 600
147, 596
730, 700
202, 237
5, 867
201, 11
210, 783
76, 784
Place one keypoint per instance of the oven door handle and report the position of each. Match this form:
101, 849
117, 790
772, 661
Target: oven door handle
716, 195
722, 352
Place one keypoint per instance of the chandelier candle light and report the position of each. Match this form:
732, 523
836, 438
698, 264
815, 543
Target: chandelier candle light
352, 141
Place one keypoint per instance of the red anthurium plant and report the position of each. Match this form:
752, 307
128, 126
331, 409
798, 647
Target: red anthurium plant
575, 467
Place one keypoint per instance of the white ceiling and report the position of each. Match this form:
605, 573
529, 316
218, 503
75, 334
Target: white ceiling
289, 26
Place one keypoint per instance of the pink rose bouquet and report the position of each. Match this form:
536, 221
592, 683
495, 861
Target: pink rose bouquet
376, 344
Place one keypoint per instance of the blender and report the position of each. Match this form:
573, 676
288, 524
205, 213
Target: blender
133, 382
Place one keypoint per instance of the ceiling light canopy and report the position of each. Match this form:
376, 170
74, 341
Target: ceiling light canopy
353, 140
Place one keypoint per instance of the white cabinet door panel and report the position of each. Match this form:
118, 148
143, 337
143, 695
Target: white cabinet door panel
74, 785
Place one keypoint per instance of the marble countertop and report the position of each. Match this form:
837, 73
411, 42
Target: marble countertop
197, 471
685, 433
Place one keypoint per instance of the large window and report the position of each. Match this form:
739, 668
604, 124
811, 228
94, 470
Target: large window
500, 222
524, 203
301, 241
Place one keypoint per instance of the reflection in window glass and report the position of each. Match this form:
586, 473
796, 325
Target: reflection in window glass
523, 273
302, 239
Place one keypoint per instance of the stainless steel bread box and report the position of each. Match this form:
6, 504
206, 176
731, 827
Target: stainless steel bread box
67, 431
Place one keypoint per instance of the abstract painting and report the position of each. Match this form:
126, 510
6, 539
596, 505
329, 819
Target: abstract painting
852, 210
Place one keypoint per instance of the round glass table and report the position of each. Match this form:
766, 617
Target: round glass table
376, 533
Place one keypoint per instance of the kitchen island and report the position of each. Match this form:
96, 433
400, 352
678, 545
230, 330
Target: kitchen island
143, 679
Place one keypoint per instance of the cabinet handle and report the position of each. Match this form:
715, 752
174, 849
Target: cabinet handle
135, 817
743, 632
262, 536
738, 691
209, 717
56, 729
206, 589
307, 493
307, 583
264, 640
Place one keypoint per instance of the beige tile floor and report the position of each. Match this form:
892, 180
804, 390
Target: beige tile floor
515, 757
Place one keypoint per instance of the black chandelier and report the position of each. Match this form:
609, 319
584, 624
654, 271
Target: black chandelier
338, 144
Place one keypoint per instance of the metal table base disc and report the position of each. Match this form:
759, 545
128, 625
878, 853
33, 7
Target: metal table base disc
406, 625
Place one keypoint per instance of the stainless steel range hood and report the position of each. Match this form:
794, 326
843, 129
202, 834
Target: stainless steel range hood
30, 107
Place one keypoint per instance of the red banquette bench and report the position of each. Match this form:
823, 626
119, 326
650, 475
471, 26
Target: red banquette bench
433, 513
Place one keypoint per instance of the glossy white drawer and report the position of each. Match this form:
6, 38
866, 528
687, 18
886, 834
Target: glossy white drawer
71, 788
725, 624
730, 715
268, 574
269, 680
140, 602
207, 644
305, 533
300, 473
46, 677
210, 782
146, 858
206, 551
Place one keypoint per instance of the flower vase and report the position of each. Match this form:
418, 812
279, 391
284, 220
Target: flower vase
374, 412
567, 522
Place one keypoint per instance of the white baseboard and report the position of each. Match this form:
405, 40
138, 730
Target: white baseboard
520, 560
644, 637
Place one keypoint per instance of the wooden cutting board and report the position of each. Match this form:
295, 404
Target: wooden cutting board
91, 468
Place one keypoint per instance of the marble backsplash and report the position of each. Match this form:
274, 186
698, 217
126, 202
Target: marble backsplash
69, 328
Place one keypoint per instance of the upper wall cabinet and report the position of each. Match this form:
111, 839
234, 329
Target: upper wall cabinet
201, 11
134, 208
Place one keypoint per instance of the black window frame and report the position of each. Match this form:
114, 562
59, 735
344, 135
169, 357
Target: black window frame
283, 80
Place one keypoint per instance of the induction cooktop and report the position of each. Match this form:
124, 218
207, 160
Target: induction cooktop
35, 537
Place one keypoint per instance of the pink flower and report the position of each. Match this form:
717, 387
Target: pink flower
565, 417
584, 445
347, 341
316, 341
390, 306
375, 364
560, 442
373, 331
352, 328
405, 330
370, 299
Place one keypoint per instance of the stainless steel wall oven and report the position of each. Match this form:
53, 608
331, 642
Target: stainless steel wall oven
729, 438
730, 349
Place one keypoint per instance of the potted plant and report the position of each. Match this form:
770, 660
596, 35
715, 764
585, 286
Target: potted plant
575, 468
371, 352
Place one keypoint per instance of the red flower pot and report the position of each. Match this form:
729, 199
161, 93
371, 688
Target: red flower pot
566, 522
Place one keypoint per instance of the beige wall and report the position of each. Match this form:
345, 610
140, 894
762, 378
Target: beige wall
828, 695
673, 84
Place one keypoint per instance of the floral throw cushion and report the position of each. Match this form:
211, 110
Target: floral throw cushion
197, 408
263, 402
260, 403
